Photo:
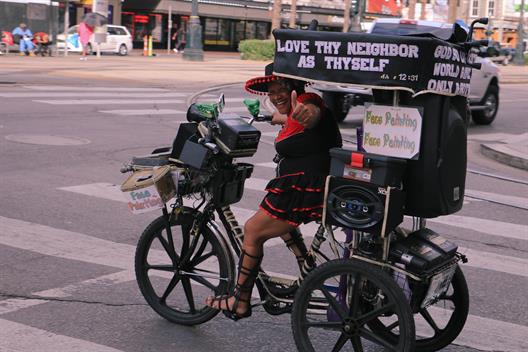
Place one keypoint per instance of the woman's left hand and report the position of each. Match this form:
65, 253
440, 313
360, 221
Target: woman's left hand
306, 114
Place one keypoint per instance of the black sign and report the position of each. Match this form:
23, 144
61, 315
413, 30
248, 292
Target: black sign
416, 64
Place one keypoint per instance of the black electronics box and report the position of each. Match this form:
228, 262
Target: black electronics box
360, 166
362, 206
185, 132
228, 187
236, 137
194, 154
423, 251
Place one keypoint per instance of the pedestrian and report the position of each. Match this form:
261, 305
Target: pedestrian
25, 37
179, 39
85, 32
182, 39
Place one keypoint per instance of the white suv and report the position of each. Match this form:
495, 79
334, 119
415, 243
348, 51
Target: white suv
484, 85
118, 41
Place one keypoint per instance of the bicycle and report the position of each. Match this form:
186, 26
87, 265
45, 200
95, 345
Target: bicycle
372, 284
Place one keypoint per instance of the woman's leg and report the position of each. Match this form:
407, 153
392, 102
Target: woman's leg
257, 230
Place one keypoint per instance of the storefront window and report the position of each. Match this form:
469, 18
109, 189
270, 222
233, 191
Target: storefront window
262, 30
251, 30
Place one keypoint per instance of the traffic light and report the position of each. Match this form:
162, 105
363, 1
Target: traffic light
354, 7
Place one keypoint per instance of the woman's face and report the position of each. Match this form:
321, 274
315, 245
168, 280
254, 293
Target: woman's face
280, 96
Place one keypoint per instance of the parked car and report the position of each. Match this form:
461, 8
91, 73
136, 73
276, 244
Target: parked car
118, 41
497, 53
484, 85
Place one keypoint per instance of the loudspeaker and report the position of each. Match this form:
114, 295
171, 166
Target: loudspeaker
185, 132
435, 183
362, 206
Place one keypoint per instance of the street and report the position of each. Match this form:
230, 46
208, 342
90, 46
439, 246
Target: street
67, 239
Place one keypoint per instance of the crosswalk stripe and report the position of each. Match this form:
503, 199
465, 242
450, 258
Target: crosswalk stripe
479, 332
143, 112
18, 337
490, 227
110, 101
519, 202
96, 89
13, 304
478, 259
84, 95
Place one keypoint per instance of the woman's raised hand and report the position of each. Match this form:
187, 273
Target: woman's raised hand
306, 114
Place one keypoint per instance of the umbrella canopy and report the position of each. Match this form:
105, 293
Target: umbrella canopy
93, 19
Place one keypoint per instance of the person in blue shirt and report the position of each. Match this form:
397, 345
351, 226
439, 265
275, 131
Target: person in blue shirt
26, 36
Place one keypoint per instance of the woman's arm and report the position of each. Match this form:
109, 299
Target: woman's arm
306, 109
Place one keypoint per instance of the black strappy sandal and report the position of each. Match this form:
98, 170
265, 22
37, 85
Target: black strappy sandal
296, 241
244, 287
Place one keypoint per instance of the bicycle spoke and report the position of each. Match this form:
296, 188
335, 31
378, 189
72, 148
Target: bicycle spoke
429, 319
334, 303
340, 343
203, 281
168, 249
376, 339
174, 281
334, 325
356, 343
375, 313
188, 293
198, 261
199, 252
167, 267
354, 306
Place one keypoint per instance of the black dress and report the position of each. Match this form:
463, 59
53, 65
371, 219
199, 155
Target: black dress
296, 194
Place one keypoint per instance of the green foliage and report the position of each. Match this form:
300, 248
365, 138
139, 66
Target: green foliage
255, 49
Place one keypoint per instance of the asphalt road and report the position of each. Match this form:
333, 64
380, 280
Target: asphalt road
67, 239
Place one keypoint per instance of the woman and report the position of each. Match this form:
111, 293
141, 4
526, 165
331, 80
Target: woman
85, 32
295, 196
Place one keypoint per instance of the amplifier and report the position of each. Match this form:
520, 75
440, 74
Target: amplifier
236, 137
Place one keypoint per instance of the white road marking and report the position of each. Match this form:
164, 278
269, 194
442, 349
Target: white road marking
83, 95
477, 259
485, 334
489, 227
96, 89
18, 337
479, 332
143, 112
110, 101
13, 304
519, 202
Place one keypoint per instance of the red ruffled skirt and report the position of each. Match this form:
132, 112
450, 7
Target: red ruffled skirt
295, 198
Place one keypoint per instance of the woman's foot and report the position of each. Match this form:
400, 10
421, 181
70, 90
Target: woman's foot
235, 307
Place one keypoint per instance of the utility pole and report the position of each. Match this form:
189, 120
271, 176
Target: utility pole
194, 48
412, 9
346, 16
66, 25
275, 17
358, 14
293, 13
519, 52
452, 11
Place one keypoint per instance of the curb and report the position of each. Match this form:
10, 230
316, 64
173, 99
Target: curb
193, 97
505, 155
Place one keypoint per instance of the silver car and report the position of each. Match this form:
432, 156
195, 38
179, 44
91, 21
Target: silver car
118, 41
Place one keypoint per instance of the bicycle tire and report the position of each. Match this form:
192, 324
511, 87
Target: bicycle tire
181, 302
315, 297
442, 337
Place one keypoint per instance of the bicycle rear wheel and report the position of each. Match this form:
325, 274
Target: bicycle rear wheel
176, 271
439, 324
337, 301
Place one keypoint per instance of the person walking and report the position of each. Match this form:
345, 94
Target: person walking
25, 43
85, 32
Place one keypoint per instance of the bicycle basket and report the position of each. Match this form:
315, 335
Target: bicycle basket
228, 185
160, 177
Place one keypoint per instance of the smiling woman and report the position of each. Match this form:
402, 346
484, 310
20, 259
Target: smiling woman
295, 195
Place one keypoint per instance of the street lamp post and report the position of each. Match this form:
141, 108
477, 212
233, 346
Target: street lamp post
194, 48
519, 54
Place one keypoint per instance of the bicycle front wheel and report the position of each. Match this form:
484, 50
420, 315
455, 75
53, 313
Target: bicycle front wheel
177, 270
337, 301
